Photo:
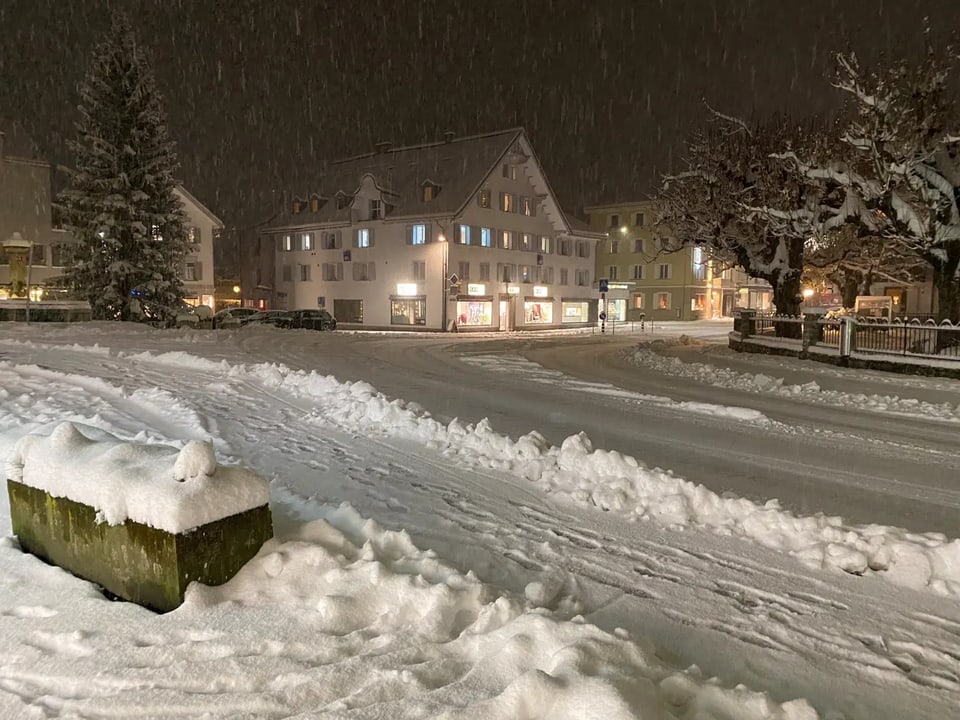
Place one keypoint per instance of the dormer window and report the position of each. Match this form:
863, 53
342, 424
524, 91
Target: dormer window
314, 204
430, 191
298, 206
376, 209
343, 200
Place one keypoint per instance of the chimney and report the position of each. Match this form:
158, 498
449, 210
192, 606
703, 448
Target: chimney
382, 147
448, 136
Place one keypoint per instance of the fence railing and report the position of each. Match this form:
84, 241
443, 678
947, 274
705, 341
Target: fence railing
850, 334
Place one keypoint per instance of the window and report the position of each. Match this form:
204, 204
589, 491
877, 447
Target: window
638, 219
286, 243
330, 240
698, 302
612, 272
486, 237
463, 234
304, 273
614, 247
193, 235
583, 249
564, 276
699, 268
298, 206
507, 272
508, 202
583, 278
429, 191
419, 270
638, 272
566, 247
463, 270
306, 241
332, 271
661, 301
546, 275
286, 274
638, 245
363, 238
61, 255
510, 171
484, 198
614, 220
638, 301
314, 204
526, 206
475, 312
526, 241
506, 240
38, 254
663, 271
526, 274
364, 271
343, 200
348, 311
538, 312
545, 244
408, 311
485, 271
574, 312
376, 209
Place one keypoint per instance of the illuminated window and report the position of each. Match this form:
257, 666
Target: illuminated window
638, 302
506, 240
662, 301
486, 237
484, 198
463, 234
419, 235
363, 238
508, 202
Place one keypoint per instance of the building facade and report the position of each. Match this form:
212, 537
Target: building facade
461, 234
648, 279
203, 227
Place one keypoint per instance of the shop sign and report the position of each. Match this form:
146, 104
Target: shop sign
539, 291
513, 289
406, 289
476, 289
618, 286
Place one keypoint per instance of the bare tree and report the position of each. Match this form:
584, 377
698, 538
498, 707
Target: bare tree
721, 201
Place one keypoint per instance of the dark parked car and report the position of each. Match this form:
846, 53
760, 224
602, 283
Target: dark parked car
265, 317
309, 320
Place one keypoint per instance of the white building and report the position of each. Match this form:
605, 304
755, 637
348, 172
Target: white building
202, 228
464, 232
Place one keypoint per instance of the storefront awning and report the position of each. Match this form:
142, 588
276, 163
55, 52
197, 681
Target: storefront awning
533, 298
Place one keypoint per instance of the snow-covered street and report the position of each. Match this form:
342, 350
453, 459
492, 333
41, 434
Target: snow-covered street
430, 563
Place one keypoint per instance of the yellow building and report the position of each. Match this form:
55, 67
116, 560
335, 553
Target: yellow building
643, 277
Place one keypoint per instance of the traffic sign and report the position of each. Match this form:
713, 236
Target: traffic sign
604, 285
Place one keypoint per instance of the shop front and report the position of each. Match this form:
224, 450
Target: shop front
475, 311
577, 311
408, 310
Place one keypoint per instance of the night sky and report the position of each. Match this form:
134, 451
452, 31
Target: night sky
259, 94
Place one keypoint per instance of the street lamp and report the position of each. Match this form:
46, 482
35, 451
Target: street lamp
442, 239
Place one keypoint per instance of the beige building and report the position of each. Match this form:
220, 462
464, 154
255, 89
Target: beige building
203, 227
646, 279
464, 233
32, 251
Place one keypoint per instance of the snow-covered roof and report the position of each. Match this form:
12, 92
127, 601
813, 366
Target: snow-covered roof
157, 485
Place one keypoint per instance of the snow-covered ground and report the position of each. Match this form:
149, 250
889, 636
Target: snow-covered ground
469, 573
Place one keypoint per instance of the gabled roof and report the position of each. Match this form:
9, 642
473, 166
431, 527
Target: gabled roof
457, 166
200, 206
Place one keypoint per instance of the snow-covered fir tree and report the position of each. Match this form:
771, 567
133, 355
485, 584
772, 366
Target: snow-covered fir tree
121, 205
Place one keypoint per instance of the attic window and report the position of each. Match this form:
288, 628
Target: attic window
430, 191
484, 199
314, 204
298, 206
343, 200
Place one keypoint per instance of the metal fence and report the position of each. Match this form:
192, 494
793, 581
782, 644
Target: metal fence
849, 334
908, 338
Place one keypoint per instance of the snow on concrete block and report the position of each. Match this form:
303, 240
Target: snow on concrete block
143, 521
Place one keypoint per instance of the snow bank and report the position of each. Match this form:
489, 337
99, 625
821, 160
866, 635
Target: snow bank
425, 636
616, 482
811, 391
157, 485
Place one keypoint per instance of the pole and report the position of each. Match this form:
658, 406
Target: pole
603, 312
26, 312
443, 291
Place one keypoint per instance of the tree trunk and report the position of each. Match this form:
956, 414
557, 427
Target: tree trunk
787, 298
948, 293
850, 289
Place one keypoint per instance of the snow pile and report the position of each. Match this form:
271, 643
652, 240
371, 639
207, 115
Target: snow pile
613, 481
811, 391
157, 485
423, 634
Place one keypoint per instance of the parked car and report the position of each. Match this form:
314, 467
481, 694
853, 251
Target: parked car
232, 316
264, 317
309, 320
196, 317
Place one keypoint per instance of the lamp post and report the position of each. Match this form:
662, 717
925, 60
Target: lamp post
442, 239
